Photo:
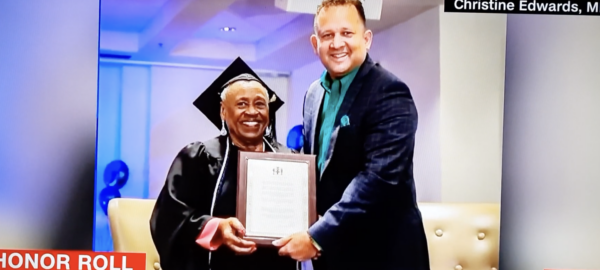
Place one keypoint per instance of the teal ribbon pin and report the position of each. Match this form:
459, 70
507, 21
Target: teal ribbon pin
345, 121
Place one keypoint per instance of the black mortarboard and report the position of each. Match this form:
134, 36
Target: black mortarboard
209, 102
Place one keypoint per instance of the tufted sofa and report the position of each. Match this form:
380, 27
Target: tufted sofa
460, 236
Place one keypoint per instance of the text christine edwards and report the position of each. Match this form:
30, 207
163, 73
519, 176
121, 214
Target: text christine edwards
524, 6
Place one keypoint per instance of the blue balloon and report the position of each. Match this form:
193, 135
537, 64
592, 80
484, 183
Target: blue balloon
116, 174
295, 139
107, 194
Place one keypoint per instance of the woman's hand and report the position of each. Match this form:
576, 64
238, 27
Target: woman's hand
231, 232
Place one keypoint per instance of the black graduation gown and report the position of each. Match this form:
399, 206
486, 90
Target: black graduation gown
183, 207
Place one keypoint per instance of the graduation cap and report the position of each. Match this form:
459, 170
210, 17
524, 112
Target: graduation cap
209, 102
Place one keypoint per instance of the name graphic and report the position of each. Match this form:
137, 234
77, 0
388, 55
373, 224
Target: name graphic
524, 7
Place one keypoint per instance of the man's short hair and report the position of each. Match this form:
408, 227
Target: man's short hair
332, 3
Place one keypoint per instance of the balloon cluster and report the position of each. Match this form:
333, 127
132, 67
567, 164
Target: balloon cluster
115, 177
295, 139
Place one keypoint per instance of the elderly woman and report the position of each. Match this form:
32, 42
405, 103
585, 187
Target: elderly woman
193, 224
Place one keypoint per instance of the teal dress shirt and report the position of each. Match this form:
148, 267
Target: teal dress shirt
335, 90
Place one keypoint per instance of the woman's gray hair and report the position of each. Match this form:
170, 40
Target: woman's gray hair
242, 77
224, 93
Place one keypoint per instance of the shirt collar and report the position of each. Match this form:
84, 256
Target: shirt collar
326, 80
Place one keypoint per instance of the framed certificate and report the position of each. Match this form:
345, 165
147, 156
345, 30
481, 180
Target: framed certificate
276, 195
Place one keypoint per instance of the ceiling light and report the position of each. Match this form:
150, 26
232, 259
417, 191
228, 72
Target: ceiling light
228, 29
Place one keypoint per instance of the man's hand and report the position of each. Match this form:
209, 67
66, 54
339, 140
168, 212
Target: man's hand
298, 246
229, 234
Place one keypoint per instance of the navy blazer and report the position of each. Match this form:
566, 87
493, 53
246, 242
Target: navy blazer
366, 192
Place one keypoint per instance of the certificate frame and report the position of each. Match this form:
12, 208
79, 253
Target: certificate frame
242, 187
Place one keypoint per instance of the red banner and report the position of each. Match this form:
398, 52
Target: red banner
70, 260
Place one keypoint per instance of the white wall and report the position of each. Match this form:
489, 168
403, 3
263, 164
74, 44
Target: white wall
550, 202
123, 134
472, 50
411, 51
300, 80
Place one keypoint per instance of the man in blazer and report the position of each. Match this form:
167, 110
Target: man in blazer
360, 120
